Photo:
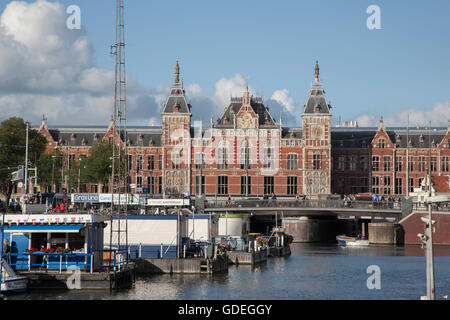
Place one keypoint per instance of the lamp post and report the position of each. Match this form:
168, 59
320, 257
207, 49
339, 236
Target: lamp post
53, 173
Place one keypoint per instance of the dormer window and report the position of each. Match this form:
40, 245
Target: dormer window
292, 135
151, 143
128, 142
226, 120
141, 138
60, 141
363, 143
398, 138
176, 108
433, 144
421, 138
84, 142
410, 143
95, 137
72, 137
317, 108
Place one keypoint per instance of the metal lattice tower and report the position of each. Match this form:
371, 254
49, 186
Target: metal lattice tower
119, 182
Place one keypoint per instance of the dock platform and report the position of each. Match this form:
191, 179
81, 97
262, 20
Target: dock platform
181, 266
251, 258
104, 280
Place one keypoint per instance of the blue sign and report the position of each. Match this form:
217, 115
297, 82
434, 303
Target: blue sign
85, 197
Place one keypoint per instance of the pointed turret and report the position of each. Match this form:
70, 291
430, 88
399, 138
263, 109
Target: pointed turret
176, 102
316, 101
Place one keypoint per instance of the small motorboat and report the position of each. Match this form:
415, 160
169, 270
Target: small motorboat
10, 281
352, 241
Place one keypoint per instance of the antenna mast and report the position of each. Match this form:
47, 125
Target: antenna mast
119, 227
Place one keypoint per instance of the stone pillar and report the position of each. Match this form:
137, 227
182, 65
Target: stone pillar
382, 233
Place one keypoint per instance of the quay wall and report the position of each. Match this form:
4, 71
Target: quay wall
412, 225
180, 266
305, 229
242, 257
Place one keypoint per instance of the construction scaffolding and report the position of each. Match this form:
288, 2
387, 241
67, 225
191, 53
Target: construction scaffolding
120, 172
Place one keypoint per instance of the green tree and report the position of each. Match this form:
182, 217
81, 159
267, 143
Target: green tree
49, 168
99, 164
12, 150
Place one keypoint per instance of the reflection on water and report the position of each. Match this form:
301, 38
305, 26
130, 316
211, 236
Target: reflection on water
313, 271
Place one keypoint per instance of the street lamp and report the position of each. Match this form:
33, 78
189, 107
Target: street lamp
428, 239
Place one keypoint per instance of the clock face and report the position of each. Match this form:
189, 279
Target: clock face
246, 120
316, 132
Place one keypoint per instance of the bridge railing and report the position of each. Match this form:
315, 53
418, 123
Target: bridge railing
325, 204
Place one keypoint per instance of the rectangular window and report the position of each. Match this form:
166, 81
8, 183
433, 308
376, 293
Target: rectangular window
317, 161
411, 163
411, 184
222, 162
353, 186
129, 162
159, 185
291, 185
381, 143
244, 185
268, 185
160, 162
222, 185
151, 162
421, 164
352, 163
387, 164
341, 164
245, 158
398, 164
386, 190
364, 185
176, 161
444, 164
269, 158
139, 162
433, 164
151, 185
398, 186
199, 160
387, 181
364, 164
375, 190
375, 163
375, 181
139, 182
292, 162
199, 185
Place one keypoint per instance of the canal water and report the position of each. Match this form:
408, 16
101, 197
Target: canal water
313, 271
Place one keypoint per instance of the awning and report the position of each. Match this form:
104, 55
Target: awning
60, 228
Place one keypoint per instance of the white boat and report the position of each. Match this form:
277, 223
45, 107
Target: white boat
352, 241
10, 281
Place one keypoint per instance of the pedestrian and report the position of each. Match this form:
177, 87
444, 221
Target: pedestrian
7, 250
57, 208
62, 207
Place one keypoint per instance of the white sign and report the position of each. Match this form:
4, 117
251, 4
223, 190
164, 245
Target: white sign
106, 198
168, 202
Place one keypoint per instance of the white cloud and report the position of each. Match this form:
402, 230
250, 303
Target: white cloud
439, 116
284, 98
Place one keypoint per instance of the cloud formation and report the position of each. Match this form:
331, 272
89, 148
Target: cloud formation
439, 116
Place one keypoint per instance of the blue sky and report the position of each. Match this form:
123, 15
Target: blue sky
403, 66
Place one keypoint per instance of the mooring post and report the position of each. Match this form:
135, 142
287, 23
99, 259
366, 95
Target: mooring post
140, 250
161, 254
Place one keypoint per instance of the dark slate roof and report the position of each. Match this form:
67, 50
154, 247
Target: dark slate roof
75, 136
264, 117
418, 138
351, 138
177, 98
287, 133
317, 98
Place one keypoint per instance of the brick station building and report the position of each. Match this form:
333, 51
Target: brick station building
247, 153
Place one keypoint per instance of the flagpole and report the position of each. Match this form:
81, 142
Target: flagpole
1, 255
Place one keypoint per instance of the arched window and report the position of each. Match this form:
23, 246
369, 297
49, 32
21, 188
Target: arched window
245, 155
222, 156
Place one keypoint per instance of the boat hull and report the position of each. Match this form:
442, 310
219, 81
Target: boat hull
352, 241
17, 284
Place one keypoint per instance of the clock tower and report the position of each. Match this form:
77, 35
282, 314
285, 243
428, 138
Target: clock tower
316, 126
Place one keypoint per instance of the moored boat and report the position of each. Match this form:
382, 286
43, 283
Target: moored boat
352, 241
10, 282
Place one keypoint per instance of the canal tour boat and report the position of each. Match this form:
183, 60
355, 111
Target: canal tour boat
10, 282
352, 241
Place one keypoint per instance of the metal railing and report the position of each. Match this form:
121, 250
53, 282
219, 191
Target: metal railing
325, 204
47, 263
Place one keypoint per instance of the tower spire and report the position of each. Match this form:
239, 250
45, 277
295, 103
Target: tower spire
316, 70
177, 73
